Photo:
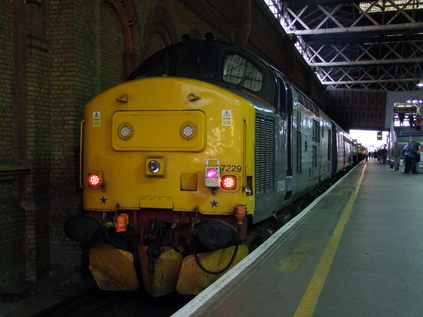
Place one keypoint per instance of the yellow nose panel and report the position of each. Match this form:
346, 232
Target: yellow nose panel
159, 130
189, 181
113, 269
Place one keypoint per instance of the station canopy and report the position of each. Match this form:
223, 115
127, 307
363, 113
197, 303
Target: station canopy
357, 44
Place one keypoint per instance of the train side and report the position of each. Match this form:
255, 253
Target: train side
203, 141
342, 149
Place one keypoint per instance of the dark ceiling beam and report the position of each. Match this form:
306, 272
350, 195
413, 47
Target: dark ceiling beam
363, 38
368, 62
369, 81
298, 3
360, 29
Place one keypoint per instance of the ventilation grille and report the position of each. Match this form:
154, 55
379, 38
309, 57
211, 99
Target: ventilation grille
265, 154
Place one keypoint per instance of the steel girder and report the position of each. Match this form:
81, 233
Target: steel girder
368, 44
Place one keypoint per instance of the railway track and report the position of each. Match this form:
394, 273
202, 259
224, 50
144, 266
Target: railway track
82, 304
95, 302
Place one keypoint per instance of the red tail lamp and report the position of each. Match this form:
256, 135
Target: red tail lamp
228, 182
94, 179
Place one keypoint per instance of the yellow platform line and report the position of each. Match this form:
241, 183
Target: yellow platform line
308, 303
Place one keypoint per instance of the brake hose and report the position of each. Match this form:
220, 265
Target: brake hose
197, 258
172, 239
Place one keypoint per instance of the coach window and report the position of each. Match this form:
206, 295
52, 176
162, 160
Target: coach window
299, 152
239, 71
316, 131
297, 98
329, 144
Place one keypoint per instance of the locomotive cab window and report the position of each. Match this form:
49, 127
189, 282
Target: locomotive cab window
196, 63
158, 65
239, 71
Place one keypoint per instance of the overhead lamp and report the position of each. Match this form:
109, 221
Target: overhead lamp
420, 84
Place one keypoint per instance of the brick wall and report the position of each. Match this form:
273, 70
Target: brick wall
111, 48
38, 110
11, 215
6, 64
73, 82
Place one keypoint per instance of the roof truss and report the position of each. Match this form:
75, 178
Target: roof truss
360, 44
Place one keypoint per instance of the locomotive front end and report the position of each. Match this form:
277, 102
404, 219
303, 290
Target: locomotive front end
167, 173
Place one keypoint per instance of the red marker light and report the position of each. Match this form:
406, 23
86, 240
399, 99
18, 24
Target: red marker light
211, 173
94, 180
228, 182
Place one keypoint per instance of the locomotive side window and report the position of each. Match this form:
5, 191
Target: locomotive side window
196, 63
237, 70
283, 100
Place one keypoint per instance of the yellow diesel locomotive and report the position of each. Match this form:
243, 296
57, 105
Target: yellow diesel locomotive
203, 140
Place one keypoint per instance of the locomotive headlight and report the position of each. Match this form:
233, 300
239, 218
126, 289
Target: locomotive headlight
188, 130
125, 130
154, 167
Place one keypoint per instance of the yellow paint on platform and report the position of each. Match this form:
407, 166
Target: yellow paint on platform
311, 296
296, 258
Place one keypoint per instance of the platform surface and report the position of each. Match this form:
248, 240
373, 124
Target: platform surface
358, 252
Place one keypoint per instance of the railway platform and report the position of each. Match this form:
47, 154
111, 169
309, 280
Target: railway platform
355, 251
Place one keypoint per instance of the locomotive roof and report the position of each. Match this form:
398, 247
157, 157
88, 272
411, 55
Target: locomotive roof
207, 64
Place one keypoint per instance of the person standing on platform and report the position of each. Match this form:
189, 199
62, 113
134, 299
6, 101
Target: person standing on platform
396, 154
418, 122
401, 117
406, 161
411, 119
410, 158
417, 156
384, 154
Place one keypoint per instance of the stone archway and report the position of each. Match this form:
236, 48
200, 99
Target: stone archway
127, 17
160, 31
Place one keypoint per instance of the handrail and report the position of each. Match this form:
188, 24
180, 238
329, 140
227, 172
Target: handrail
81, 140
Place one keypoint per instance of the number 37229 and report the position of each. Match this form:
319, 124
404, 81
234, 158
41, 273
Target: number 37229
230, 168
